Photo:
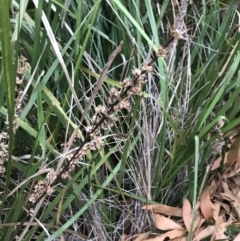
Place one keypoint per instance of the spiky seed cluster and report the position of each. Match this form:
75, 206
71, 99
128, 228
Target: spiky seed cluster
162, 52
101, 120
115, 99
147, 66
104, 117
43, 186
177, 34
100, 112
93, 146
118, 100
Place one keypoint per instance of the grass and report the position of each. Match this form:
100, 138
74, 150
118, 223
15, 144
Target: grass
49, 68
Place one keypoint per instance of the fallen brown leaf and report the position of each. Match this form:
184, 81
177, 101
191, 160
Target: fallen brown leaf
220, 228
237, 238
164, 223
206, 204
171, 235
184, 238
198, 223
217, 162
125, 237
234, 152
164, 209
204, 233
216, 209
230, 197
142, 236
225, 206
187, 214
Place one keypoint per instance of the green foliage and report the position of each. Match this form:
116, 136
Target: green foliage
150, 155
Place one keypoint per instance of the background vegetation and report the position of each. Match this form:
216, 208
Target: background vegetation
51, 56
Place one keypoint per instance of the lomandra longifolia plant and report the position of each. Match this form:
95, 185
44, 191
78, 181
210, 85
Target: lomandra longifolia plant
103, 118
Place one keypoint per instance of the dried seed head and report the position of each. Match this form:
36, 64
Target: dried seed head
114, 92
162, 52
177, 34
43, 186
136, 72
89, 129
101, 109
142, 79
147, 66
126, 83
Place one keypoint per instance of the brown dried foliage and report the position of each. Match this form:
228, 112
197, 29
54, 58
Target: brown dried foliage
218, 205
